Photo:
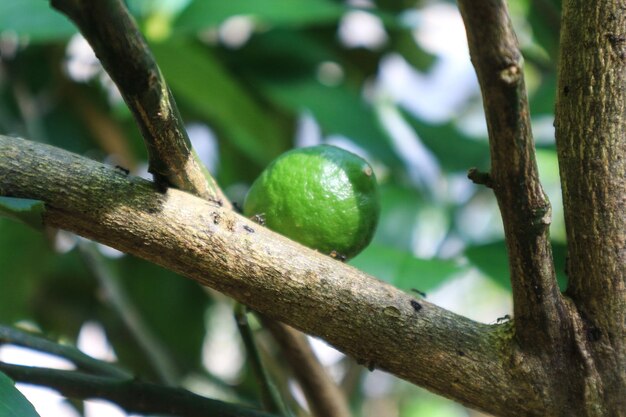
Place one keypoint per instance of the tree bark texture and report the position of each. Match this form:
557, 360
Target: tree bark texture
382, 327
123, 52
591, 143
514, 177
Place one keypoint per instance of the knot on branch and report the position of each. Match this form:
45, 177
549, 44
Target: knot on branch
511, 75
479, 177
542, 216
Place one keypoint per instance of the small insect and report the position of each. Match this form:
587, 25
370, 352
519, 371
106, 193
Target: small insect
121, 168
503, 319
369, 364
416, 306
217, 201
259, 219
338, 256
422, 293
248, 228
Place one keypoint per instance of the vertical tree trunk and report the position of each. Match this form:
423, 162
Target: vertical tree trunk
590, 131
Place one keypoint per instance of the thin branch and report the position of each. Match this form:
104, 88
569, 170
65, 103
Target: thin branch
324, 397
124, 53
16, 337
365, 318
124, 307
132, 395
514, 177
270, 398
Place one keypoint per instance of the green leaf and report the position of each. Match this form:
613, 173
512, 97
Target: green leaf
35, 20
403, 269
454, 150
164, 300
19, 245
199, 79
27, 211
400, 207
201, 14
12, 401
338, 110
492, 260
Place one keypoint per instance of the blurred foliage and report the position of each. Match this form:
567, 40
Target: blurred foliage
12, 402
265, 76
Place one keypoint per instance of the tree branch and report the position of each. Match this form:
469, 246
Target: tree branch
514, 177
115, 38
324, 397
117, 42
268, 393
16, 337
365, 318
132, 395
591, 144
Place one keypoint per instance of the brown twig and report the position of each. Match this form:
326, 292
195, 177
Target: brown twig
514, 176
324, 397
117, 42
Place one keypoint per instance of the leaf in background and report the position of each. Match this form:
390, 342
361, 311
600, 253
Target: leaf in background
25, 210
201, 14
338, 110
542, 100
19, 275
35, 20
398, 217
404, 270
545, 19
492, 260
172, 307
38, 285
454, 150
197, 77
402, 41
280, 54
12, 401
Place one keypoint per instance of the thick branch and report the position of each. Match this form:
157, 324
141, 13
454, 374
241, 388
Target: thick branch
361, 316
591, 143
132, 395
121, 48
514, 177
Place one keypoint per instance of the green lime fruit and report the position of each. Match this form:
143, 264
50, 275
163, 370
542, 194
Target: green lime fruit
323, 197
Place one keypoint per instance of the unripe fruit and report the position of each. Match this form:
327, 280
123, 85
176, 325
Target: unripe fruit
322, 196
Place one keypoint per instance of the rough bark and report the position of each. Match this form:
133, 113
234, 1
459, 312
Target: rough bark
591, 143
514, 177
123, 52
374, 322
